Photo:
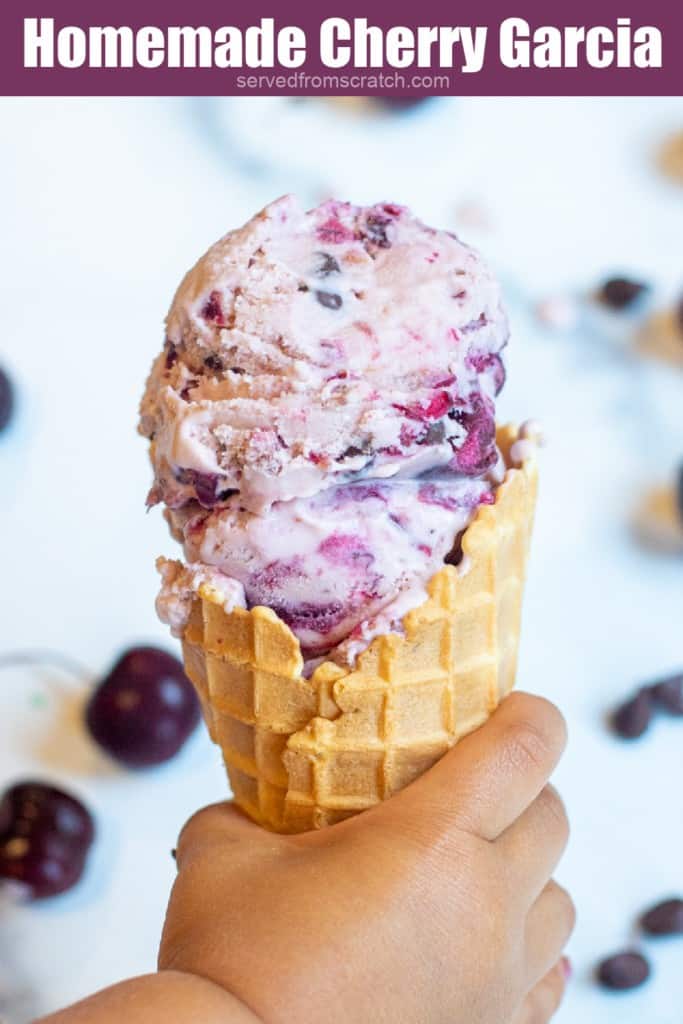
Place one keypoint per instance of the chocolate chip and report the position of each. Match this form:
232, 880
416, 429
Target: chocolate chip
376, 231
668, 694
325, 264
329, 300
214, 362
302, 287
434, 434
632, 718
454, 556
185, 393
620, 292
623, 971
352, 451
237, 369
665, 918
254, 257
171, 355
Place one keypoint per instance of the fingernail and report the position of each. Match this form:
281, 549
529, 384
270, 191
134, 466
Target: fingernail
567, 969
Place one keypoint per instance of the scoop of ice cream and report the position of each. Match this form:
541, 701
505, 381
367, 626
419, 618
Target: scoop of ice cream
326, 563
322, 418
310, 348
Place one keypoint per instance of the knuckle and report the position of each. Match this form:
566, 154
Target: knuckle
536, 1010
564, 907
527, 748
555, 811
537, 737
570, 914
440, 846
544, 1000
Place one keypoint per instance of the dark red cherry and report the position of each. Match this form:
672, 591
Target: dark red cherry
145, 709
45, 835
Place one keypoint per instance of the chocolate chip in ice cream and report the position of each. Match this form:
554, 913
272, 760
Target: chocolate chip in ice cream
621, 292
631, 719
330, 300
325, 264
353, 451
434, 434
376, 230
665, 918
623, 971
454, 556
214, 362
668, 694
171, 355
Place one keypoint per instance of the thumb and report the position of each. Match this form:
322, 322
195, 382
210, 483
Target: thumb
223, 825
490, 777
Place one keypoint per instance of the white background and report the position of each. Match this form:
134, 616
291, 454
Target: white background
105, 203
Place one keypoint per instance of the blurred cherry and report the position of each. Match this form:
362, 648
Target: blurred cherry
145, 709
45, 835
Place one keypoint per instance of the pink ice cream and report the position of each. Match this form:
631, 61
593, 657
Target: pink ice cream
322, 416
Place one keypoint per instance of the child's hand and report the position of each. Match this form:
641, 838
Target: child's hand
436, 906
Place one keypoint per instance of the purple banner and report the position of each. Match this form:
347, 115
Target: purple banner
597, 48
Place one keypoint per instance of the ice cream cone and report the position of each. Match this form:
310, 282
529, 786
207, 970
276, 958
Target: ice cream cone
304, 753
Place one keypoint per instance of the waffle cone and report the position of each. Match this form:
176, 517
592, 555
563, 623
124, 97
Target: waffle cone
305, 753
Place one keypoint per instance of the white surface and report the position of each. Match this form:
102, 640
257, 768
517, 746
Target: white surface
104, 205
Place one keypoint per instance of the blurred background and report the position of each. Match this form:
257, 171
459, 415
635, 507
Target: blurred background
105, 204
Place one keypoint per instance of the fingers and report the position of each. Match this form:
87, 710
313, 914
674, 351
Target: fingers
533, 845
223, 823
545, 998
492, 775
549, 925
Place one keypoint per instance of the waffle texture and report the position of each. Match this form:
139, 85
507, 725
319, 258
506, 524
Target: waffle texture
305, 753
